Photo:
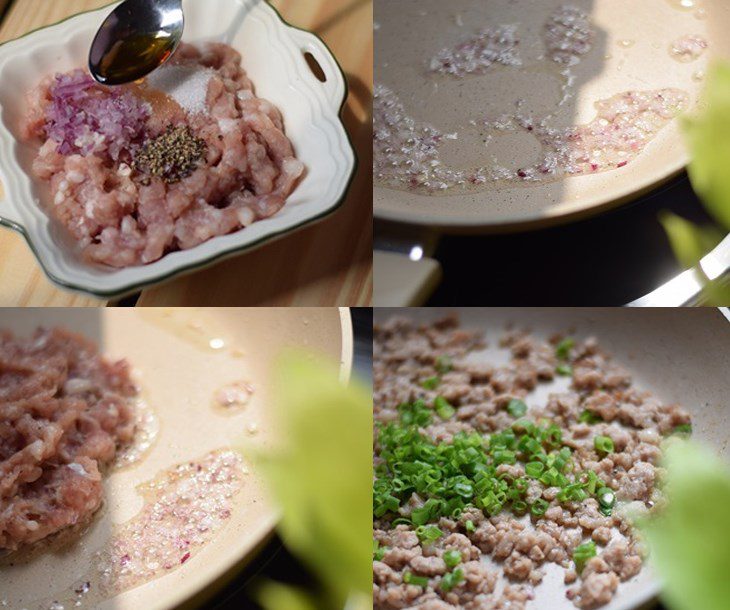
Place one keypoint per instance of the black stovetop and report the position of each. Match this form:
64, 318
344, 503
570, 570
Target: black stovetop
609, 260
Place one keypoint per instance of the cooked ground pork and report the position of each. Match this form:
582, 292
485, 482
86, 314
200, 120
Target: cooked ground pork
406, 354
64, 411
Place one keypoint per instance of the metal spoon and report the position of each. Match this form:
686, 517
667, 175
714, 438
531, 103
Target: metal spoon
136, 39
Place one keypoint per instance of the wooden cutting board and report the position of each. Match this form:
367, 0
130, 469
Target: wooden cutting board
326, 264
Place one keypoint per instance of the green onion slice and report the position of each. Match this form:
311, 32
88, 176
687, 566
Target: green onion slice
682, 430
538, 507
378, 551
562, 350
443, 408
606, 500
428, 533
516, 407
450, 580
589, 417
452, 558
564, 369
411, 579
534, 469
603, 444
431, 383
444, 364
583, 553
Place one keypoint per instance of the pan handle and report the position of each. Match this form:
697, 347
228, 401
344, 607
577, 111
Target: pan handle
686, 288
401, 281
323, 66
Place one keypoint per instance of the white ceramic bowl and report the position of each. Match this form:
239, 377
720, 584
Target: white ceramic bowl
273, 55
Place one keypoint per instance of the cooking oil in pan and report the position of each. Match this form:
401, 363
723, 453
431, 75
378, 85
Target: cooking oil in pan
684, 5
192, 325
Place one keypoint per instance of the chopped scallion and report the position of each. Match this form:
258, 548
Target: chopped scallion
603, 444
428, 533
606, 500
562, 350
431, 383
450, 580
452, 558
516, 407
524, 425
519, 507
444, 364
553, 435
411, 579
592, 481
583, 553
378, 551
683, 430
564, 370
443, 408
504, 456
415, 413
538, 507
588, 417
420, 516
463, 472
534, 469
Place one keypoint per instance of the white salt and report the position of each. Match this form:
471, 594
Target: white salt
187, 85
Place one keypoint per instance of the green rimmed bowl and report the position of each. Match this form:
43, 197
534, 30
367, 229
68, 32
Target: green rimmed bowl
274, 57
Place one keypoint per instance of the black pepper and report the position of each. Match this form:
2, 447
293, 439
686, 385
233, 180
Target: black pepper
171, 156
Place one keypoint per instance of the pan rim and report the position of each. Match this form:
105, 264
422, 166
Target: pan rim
580, 211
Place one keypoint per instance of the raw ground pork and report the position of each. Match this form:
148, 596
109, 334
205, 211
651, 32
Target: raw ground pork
64, 411
247, 174
404, 355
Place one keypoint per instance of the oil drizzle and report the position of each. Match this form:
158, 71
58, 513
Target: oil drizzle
147, 430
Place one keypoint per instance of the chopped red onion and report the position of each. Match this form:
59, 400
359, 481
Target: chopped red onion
85, 117
688, 48
568, 35
476, 54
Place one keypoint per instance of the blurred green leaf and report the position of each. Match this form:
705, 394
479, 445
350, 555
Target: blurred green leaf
275, 596
321, 476
689, 242
716, 295
690, 541
708, 136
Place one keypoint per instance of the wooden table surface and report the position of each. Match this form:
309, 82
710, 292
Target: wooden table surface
326, 264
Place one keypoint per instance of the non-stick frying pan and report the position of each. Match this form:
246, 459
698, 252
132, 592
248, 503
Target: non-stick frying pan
682, 355
179, 373
630, 52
